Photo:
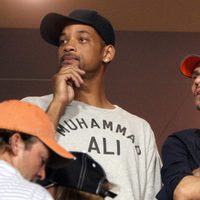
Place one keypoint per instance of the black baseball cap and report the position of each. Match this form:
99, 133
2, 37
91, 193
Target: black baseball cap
52, 25
83, 173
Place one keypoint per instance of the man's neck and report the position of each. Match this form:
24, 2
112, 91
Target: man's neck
93, 95
6, 156
92, 100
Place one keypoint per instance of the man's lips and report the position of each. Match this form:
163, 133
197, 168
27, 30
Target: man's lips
197, 92
68, 59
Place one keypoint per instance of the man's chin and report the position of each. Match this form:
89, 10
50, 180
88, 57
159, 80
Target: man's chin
198, 106
35, 180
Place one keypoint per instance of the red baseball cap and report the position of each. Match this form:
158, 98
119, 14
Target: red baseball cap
188, 64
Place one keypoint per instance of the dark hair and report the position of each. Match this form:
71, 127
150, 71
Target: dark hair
6, 134
64, 193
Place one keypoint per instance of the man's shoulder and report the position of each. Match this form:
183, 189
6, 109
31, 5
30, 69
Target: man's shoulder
37, 192
186, 137
133, 117
41, 101
186, 133
38, 98
19, 188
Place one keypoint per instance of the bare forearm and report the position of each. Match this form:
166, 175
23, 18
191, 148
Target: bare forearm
55, 111
188, 189
63, 90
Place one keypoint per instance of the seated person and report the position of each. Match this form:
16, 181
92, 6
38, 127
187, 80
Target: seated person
82, 179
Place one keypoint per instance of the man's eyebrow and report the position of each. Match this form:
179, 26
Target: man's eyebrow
79, 31
83, 31
195, 72
62, 34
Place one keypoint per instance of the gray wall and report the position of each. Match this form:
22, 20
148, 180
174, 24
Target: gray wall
144, 78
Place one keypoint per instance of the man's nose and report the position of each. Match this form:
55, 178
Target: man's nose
197, 80
41, 173
70, 45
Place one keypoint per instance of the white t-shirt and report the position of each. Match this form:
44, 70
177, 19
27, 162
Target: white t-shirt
14, 187
121, 142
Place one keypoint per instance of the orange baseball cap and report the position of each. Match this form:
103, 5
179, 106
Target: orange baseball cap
188, 64
27, 118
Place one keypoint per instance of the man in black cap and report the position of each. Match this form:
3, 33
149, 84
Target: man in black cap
181, 150
121, 142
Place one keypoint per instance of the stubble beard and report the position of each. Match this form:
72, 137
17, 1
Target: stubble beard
197, 103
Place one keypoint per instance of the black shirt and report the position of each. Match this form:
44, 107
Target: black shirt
180, 155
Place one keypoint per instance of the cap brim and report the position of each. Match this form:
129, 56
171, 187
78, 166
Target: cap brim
188, 64
59, 155
52, 25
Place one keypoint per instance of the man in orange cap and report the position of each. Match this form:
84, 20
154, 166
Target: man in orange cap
181, 150
26, 142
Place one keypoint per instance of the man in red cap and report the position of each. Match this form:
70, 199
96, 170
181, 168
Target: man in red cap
181, 150
123, 143
27, 140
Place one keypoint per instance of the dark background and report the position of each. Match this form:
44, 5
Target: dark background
144, 77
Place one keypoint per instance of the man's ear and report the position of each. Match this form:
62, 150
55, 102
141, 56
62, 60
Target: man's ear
109, 53
15, 142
